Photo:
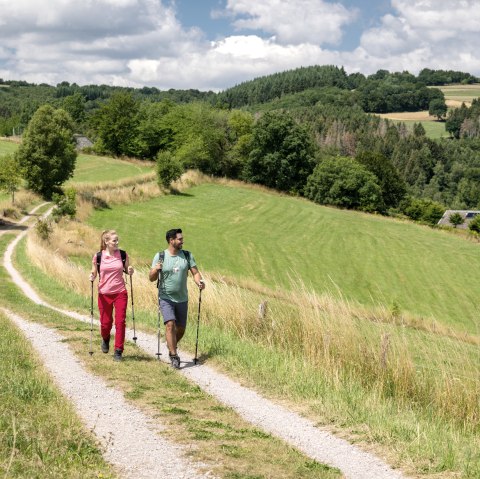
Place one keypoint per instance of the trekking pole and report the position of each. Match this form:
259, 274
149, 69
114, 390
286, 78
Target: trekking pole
158, 353
91, 320
133, 311
195, 360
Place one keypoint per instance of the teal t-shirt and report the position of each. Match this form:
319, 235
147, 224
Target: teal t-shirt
173, 279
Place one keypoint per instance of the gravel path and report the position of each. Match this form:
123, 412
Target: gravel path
130, 440
291, 427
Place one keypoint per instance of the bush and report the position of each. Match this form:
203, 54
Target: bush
65, 205
456, 219
44, 229
422, 210
169, 168
474, 225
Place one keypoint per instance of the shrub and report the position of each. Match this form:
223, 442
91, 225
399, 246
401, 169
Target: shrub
65, 204
474, 225
456, 219
169, 168
422, 210
44, 229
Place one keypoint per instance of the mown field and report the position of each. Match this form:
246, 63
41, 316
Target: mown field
276, 240
111, 169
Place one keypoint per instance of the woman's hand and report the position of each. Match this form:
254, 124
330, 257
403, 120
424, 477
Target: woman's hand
130, 270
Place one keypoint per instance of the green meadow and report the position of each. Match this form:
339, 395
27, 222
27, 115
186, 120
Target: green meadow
92, 169
433, 129
281, 241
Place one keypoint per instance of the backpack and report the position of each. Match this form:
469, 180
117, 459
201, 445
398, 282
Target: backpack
123, 254
161, 257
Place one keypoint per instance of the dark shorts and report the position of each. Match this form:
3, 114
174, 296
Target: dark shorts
172, 311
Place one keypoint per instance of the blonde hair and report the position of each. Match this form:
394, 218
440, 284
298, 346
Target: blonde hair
106, 235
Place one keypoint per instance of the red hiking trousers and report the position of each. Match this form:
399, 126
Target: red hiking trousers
106, 303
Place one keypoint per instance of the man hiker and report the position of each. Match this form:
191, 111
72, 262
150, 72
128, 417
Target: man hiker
170, 268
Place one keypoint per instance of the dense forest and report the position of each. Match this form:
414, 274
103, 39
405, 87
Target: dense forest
308, 131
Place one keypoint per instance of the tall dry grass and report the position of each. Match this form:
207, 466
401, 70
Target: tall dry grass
336, 336
98, 195
24, 199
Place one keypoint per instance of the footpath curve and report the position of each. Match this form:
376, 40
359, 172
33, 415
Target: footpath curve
297, 431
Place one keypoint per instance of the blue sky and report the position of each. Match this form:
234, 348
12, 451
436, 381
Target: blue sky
215, 44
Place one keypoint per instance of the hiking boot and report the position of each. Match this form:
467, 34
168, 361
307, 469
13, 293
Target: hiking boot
175, 360
117, 355
105, 345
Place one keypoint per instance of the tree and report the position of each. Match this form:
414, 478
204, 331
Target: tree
282, 153
393, 187
437, 107
199, 137
10, 175
74, 105
456, 219
116, 122
152, 135
342, 181
455, 119
47, 154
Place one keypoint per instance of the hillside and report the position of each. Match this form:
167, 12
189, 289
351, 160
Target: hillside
277, 240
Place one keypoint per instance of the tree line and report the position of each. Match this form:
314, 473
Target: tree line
318, 143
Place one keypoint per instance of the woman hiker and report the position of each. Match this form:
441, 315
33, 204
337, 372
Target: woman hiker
110, 263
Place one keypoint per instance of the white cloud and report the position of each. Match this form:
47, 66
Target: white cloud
293, 21
141, 42
438, 34
228, 62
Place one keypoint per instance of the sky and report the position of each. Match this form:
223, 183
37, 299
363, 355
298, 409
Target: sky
216, 44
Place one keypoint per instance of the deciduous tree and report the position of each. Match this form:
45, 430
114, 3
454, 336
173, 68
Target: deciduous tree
10, 175
437, 107
282, 153
342, 181
47, 154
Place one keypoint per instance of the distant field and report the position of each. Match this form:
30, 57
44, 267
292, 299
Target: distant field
433, 128
244, 233
456, 94
91, 168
